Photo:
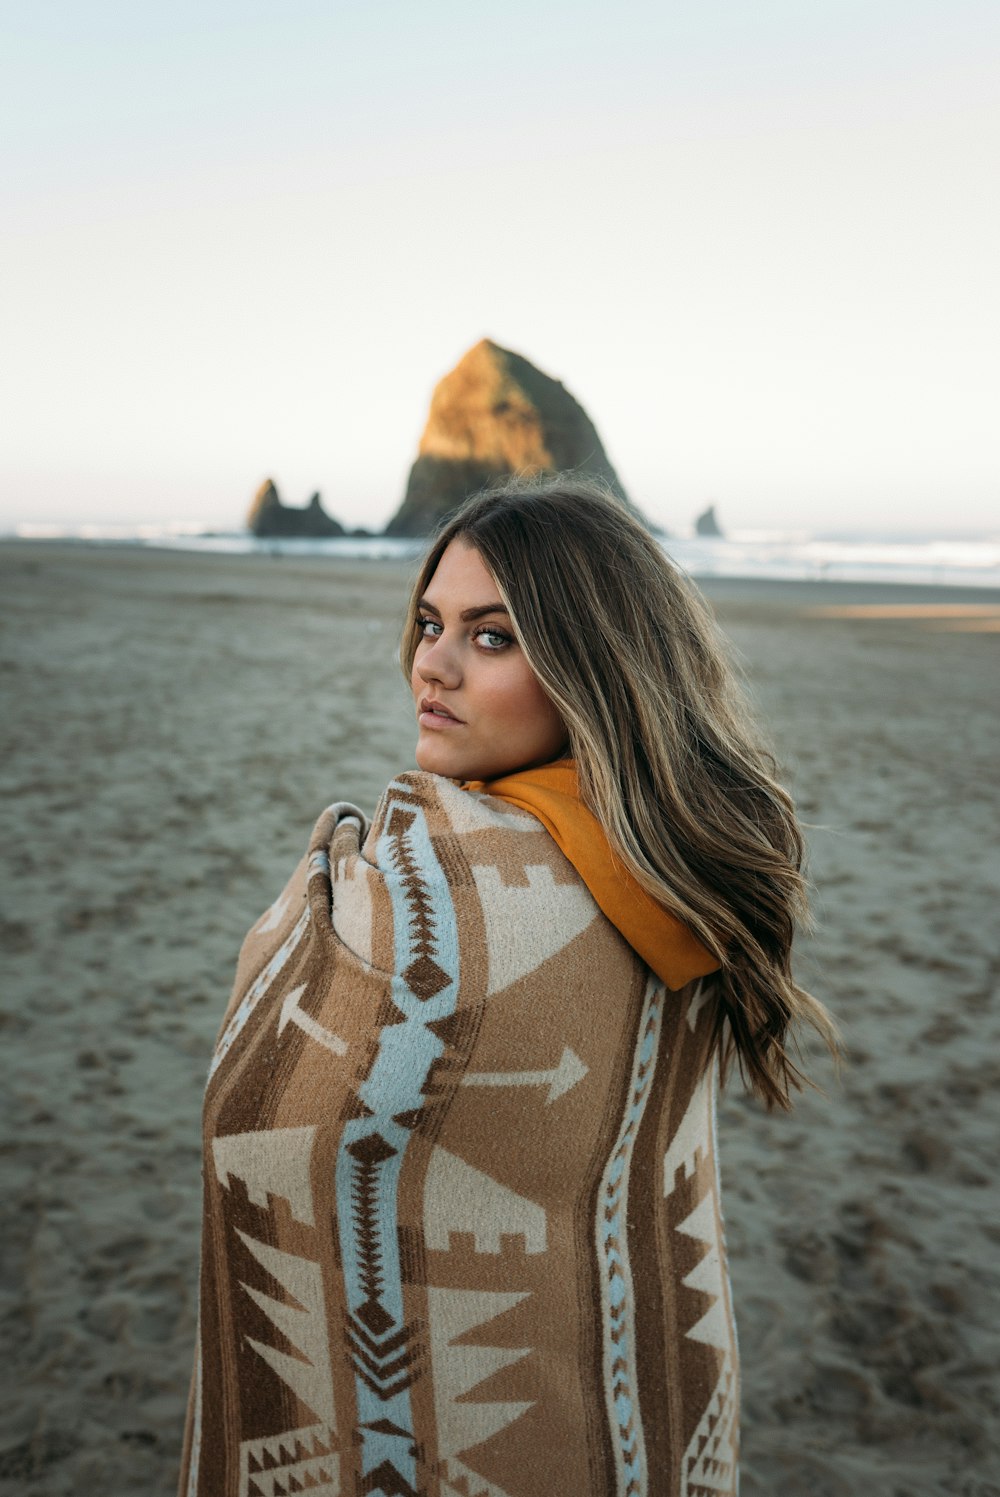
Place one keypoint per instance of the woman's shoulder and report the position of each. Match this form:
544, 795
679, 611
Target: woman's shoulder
446, 805
430, 827
470, 861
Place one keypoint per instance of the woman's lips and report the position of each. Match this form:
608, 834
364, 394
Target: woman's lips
437, 720
433, 714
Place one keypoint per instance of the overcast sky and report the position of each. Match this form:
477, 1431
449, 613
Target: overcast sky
758, 241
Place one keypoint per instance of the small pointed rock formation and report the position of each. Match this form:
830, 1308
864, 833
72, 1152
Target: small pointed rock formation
267, 516
707, 523
493, 415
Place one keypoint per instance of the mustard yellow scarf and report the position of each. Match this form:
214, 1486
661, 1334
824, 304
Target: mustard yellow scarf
551, 794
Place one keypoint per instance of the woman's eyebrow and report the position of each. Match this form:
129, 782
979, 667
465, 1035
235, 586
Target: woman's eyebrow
467, 614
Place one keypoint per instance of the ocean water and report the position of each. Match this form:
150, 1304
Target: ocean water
972, 561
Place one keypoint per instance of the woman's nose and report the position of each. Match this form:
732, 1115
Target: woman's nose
439, 663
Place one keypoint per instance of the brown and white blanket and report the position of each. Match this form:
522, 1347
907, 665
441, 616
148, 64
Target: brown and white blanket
462, 1232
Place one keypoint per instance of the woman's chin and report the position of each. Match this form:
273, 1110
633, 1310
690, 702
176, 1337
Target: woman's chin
435, 758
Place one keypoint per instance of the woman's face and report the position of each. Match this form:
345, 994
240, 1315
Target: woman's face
480, 709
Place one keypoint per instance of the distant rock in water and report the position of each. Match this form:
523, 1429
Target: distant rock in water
493, 415
708, 523
267, 516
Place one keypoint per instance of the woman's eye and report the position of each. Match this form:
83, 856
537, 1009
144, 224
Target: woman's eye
426, 627
492, 639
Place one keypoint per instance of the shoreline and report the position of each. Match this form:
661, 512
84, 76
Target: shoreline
726, 590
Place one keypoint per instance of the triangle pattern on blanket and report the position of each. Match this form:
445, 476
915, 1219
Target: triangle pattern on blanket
303, 1323
706, 1276
693, 1138
518, 938
270, 1162
460, 1198
459, 1367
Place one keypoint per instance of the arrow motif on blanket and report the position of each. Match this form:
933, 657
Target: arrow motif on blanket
292, 1014
559, 1080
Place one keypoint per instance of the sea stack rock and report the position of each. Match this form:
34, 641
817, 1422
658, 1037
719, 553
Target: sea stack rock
268, 517
494, 414
707, 523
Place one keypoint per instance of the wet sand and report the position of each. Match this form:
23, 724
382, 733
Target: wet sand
172, 725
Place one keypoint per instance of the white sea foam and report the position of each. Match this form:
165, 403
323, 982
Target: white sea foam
804, 557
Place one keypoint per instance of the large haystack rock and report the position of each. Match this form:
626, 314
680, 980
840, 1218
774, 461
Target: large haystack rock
494, 414
267, 516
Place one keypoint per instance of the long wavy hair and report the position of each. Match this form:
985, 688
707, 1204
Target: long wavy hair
668, 757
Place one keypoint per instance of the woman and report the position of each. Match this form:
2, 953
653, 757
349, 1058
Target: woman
462, 1225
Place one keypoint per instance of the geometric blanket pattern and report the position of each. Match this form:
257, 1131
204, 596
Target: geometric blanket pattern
462, 1232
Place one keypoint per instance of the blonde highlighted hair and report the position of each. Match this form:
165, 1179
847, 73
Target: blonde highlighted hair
668, 757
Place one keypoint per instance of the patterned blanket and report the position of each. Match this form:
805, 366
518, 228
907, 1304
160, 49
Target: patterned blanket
462, 1233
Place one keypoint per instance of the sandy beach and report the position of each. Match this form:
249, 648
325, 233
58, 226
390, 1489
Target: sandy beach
172, 725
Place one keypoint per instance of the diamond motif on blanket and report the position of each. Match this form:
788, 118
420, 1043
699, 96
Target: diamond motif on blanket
425, 977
